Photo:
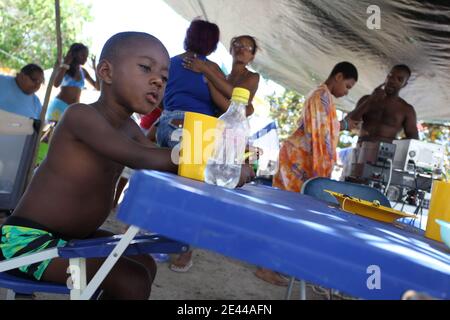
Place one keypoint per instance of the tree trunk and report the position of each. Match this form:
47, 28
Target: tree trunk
49, 86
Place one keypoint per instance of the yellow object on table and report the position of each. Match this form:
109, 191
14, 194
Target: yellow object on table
439, 209
197, 144
368, 209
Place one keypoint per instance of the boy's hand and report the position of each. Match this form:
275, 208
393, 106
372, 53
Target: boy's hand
247, 175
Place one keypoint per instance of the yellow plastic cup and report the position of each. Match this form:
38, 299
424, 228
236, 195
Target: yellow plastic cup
197, 144
439, 209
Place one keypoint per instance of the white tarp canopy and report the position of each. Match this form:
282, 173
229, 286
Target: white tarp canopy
301, 40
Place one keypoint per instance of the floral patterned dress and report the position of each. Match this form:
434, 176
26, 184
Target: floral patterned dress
311, 150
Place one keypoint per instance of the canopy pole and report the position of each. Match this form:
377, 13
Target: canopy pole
49, 87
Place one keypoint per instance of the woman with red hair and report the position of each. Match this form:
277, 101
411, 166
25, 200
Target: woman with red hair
187, 90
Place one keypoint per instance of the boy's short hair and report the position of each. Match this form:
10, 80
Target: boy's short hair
31, 68
347, 69
403, 67
202, 37
114, 45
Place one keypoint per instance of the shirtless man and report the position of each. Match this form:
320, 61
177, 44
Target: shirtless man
384, 113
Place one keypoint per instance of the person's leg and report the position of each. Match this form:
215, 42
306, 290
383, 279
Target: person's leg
55, 110
182, 263
145, 259
128, 279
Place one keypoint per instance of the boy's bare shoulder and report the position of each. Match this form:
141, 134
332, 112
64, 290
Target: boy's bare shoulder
81, 112
80, 116
134, 127
136, 133
79, 109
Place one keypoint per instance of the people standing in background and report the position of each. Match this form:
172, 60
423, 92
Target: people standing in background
243, 50
71, 77
187, 90
17, 94
383, 113
311, 150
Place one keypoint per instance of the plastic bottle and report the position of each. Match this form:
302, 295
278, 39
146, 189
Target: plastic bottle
224, 166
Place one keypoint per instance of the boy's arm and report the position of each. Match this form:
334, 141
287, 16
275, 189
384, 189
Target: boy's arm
91, 128
151, 134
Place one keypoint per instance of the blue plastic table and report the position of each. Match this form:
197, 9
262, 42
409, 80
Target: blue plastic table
290, 233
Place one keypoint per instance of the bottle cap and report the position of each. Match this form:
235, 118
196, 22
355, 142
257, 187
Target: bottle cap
240, 95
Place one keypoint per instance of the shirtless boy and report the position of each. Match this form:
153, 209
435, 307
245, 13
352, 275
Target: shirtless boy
71, 194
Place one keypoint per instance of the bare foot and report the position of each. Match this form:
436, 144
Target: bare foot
183, 262
271, 277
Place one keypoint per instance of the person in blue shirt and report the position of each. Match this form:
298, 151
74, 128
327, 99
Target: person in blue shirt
17, 94
193, 91
187, 90
243, 50
71, 77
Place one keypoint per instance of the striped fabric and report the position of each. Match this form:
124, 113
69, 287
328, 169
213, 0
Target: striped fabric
17, 241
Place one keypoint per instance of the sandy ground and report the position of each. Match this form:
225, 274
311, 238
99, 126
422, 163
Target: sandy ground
213, 276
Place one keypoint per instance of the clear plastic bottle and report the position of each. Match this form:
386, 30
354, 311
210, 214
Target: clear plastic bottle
224, 166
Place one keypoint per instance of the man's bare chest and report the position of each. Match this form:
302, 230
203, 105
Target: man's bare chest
390, 114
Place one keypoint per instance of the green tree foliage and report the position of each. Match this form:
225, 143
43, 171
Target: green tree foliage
440, 134
286, 110
28, 30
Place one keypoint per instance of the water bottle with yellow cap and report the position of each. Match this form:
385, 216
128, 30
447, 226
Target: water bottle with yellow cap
224, 166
